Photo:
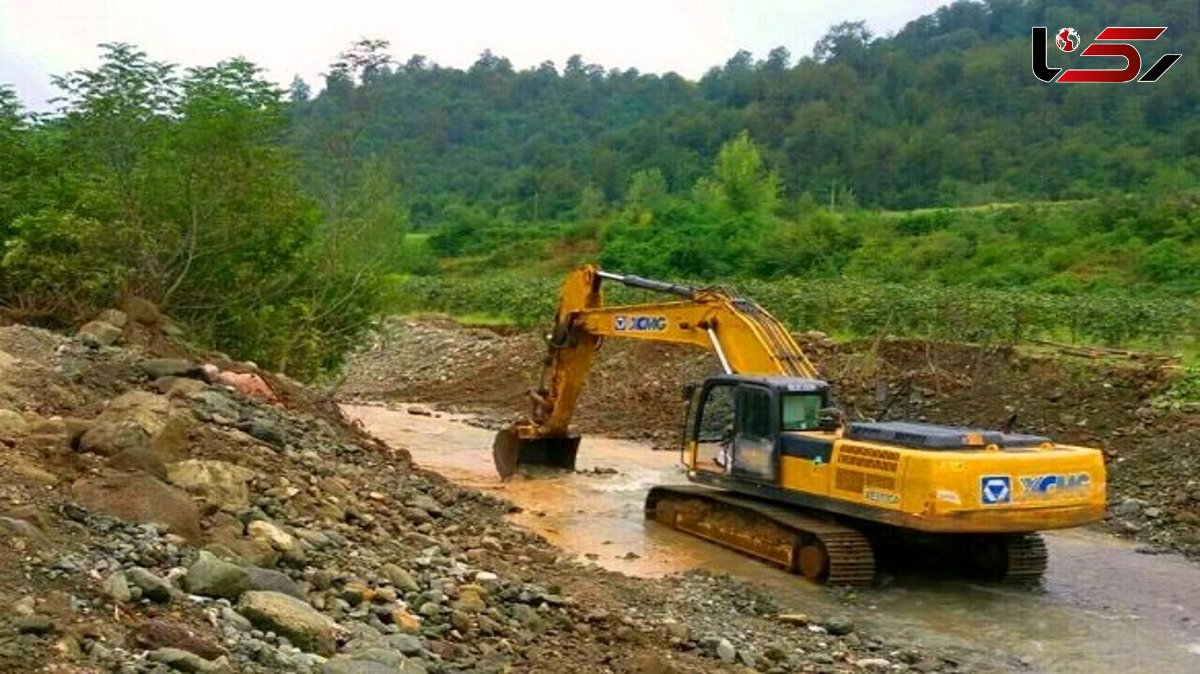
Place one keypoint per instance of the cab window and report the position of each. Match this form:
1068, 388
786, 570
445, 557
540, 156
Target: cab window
716, 414
754, 413
801, 411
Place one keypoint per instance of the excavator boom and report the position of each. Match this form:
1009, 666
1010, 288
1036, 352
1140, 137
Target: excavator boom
743, 336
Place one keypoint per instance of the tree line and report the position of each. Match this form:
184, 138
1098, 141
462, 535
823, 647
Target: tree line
932, 156
945, 112
274, 222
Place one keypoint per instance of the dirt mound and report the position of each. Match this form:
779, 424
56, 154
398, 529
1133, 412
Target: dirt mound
1153, 455
203, 529
634, 389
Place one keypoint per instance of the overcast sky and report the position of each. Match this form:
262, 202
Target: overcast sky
39, 38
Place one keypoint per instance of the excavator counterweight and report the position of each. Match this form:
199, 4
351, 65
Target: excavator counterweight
778, 474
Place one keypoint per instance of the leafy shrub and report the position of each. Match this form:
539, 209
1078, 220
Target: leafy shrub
60, 268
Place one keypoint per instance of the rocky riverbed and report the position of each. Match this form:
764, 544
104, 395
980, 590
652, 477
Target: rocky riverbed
162, 516
1111, 401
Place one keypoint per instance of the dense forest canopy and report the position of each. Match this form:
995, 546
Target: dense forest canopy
944, 112
780, 166
275, 221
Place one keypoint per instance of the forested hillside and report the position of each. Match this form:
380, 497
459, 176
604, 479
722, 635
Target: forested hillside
944, 112
781, 166
274, 222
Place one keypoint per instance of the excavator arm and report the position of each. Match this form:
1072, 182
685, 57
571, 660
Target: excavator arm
743, 336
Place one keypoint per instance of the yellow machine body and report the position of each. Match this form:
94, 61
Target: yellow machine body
985, 490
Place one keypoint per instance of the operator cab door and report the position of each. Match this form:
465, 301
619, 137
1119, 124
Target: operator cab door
755, 431
735, 430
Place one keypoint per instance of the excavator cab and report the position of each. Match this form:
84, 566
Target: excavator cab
735, 423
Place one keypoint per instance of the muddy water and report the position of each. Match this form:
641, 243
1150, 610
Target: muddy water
1103, 608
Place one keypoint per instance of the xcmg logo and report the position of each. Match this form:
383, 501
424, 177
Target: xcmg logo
1112, 41
1046, 485
640, 323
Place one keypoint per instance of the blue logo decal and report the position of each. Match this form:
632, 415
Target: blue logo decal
1047, 484
995, 489
640, 323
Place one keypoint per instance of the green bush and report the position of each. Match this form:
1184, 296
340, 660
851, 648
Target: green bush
176, 187
61, 268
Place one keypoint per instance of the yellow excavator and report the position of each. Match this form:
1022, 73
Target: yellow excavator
779, 474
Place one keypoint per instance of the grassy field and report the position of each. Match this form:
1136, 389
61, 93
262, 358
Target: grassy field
858, 309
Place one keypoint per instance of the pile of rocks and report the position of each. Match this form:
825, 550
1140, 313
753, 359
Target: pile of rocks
409, 353
159, 519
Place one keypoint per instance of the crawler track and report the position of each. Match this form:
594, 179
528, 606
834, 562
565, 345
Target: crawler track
1023, 559
802, 542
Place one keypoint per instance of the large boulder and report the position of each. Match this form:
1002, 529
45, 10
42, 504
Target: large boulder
146, 409
179, 387
216, 406
110, 438
138, 497
227, 534
173, 442
116, 587
274, 581
99, 333
303, 625
219, 482
141, 459
154, 587
210, 576
162, 633
271, 533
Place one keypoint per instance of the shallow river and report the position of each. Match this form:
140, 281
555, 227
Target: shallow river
1103, 607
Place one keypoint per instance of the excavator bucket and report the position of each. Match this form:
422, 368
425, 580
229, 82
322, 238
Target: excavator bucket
511, 452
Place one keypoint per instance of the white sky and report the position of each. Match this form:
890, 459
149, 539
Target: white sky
39, 38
